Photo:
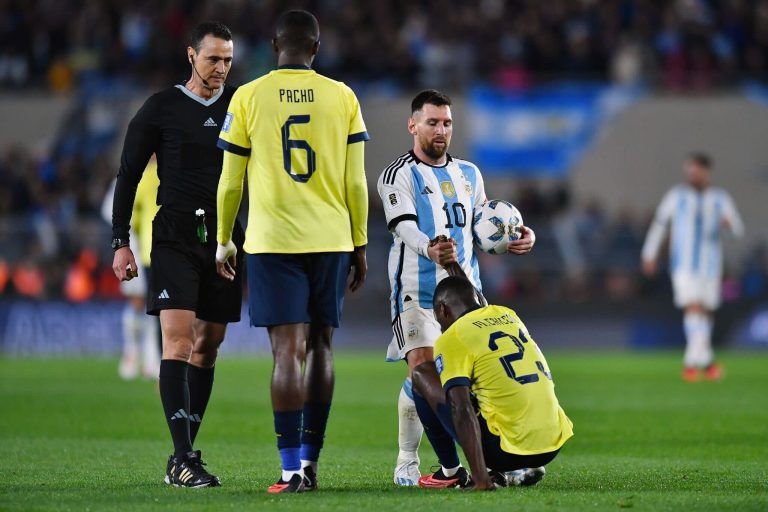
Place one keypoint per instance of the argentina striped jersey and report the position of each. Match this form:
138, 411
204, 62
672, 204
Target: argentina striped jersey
696, 219
441, 200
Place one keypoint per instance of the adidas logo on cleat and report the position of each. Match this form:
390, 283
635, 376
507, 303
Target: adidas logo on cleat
210, 122
185, 476
164, 295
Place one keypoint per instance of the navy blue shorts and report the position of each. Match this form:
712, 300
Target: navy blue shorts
297, 288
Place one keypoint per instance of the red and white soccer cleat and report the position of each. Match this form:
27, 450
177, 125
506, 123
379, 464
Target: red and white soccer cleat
691, 375
714, 372
295, 484
438, 480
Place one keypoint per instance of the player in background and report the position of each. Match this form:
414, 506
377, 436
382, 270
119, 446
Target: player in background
497, 396
426, 192
299, 135
180, 125
140, 333
697, 213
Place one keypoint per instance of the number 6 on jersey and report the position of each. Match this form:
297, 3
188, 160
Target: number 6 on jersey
289, 144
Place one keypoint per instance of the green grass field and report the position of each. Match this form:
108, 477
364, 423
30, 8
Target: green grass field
74, 437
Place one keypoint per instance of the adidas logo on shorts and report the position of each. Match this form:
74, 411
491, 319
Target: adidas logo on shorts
164, 295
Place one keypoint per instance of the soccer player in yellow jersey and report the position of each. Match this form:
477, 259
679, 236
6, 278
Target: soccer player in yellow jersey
299, 136
139, 329
486, 355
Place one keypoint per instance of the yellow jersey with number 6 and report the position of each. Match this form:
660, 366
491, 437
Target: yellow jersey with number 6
302, 135
490, 351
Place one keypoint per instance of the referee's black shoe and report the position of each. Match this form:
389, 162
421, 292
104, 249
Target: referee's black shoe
188, 471
169, 469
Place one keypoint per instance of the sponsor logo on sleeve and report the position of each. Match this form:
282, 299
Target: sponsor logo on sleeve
393, 200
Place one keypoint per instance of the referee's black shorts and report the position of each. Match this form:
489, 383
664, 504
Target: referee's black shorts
184, 270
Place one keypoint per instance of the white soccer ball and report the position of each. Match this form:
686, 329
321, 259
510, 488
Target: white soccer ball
496, 224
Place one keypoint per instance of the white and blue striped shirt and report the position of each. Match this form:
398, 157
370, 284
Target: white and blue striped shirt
442, 201
696, 219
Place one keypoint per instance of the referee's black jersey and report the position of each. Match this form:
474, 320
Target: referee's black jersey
182, 129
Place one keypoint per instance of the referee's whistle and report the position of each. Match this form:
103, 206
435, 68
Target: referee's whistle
202, 231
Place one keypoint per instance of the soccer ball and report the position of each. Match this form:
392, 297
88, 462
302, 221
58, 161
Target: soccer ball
496, 224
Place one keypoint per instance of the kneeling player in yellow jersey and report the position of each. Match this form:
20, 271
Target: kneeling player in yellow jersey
498, 388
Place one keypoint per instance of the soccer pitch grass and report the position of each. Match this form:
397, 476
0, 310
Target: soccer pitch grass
75, 437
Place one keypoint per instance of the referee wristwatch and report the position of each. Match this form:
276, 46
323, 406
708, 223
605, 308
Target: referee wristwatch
117, 243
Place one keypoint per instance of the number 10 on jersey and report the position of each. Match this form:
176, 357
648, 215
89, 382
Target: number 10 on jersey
289, 144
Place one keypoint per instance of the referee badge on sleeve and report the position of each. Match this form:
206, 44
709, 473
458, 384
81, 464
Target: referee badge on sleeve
227, 122
439, 364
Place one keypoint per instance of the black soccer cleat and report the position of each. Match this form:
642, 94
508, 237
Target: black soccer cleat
438, 480
295, 484
498, 478
188, 471
169, 469
310, 479
525, 477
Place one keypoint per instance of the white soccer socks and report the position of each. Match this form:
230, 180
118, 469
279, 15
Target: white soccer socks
132, 329
409, 425
410, 431
150, 348
698, 334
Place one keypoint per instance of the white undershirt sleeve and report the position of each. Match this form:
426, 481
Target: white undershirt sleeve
659, 226
413, 237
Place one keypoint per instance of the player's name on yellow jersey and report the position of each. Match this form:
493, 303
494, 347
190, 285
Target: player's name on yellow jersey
297, 95
505, 319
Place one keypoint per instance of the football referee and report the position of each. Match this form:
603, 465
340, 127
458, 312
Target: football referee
300, 136
181, 126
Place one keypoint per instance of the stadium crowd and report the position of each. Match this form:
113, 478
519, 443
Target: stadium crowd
52, 241
679, 44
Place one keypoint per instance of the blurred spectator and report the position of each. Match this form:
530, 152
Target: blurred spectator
52, 243
695, 44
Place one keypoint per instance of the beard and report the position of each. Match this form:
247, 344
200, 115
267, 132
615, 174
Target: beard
433, 151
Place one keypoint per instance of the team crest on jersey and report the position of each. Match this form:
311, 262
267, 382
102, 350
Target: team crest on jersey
393, 200
439, 364
468, 188
447, 188
227, 122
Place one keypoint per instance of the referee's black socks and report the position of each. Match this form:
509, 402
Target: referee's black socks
200, 383
174, 394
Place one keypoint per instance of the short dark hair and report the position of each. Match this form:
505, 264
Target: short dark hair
208, 28
454, 287
429, 97
297, 31
701, 159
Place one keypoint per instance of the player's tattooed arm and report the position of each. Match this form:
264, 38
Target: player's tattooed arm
468, 432
442, 247
442, 250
